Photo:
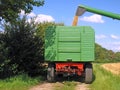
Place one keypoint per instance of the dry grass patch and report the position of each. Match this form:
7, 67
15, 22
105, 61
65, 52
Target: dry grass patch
112, 67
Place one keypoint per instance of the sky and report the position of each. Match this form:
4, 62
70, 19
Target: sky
107, 32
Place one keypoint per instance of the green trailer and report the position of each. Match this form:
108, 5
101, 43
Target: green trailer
74, 44
69, 50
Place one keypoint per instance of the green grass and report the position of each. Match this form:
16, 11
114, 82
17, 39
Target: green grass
66, 85
104, 80
69, 85
21, 82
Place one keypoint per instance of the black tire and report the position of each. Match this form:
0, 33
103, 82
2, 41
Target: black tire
88, 74
51, 73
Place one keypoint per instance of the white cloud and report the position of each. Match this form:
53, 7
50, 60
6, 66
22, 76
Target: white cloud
116, 43
95, 18
44, 18
115, 46
31, 14
109, 44
114, 36
100, 36
28, 14
117, 49
38, 18
22, 12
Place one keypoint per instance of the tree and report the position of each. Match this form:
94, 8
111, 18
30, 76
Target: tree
20, 48
9, 9
105, 55
117, 56
100, 52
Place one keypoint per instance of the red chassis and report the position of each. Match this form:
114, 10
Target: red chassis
69, 68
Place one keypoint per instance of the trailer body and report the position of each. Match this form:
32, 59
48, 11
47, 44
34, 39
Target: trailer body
69, 44
69, 50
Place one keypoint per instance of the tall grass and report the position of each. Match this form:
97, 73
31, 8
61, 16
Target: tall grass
21, 82
104, 80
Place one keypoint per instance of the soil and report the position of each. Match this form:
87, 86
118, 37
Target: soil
43, 86
82, 86
112, 67
58, 85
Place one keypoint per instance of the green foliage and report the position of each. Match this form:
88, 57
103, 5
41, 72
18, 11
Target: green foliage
9, 9
104, 55
20, 49
117, 58
21, 82
66, 85
104, 80
4, 59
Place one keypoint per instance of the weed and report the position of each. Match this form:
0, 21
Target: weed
21, 82
104, 80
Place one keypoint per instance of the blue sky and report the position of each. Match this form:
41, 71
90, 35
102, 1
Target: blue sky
106, 29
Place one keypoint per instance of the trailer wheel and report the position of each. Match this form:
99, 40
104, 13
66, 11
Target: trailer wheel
88, 73
51, 73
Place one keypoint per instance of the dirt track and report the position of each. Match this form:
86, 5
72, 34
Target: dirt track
61, 82
82, 86
112, 67
43, 86
52, 86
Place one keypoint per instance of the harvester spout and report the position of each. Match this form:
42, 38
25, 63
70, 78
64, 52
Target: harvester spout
82, 8
101, 12
79, 12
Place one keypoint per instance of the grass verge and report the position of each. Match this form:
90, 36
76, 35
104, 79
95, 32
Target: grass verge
66, 85
21, 82
104, 80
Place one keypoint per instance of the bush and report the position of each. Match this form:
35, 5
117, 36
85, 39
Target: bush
20, 49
